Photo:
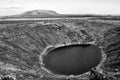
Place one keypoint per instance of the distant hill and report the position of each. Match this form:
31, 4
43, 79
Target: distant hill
39, 13
35, 14
53, 14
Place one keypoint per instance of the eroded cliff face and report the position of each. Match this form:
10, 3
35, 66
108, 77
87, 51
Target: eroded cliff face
22, 42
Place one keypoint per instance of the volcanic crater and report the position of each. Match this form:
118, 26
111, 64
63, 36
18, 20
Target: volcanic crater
74, 59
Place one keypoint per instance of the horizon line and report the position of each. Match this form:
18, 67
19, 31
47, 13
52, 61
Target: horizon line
96, 14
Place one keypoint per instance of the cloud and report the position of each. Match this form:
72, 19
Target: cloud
11, 7
13, 0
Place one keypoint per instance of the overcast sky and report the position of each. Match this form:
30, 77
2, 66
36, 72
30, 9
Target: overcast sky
11, 7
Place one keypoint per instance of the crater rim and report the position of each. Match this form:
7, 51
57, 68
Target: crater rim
51, 47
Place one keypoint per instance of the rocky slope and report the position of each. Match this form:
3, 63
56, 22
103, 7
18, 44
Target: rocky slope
22, 43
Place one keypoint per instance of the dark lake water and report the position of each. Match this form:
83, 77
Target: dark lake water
73, 59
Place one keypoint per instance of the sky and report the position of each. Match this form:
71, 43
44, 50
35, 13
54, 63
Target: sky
103, 7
